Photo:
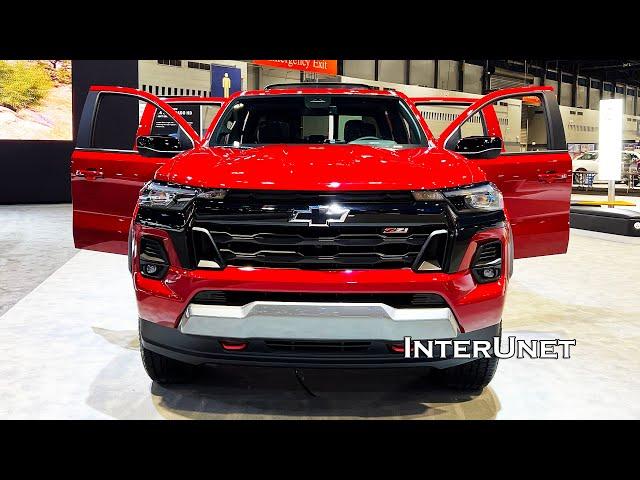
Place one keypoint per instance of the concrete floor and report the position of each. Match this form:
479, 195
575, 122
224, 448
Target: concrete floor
35, 240
70, 349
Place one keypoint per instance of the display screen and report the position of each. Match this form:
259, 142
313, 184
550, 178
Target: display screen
35, 100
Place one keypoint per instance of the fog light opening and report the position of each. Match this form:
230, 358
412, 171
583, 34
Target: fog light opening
488, 273
487, 262
154, 261
150, 269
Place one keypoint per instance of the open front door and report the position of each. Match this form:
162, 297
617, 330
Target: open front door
107, 171
534, 169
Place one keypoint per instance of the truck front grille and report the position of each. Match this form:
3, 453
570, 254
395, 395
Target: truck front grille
383, 230
303, 247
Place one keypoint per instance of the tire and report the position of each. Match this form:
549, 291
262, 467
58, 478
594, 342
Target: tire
473, 375
165, 370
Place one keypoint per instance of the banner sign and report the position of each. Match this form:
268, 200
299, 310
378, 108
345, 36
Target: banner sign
225, 80
610, 139
165, 125
328, 67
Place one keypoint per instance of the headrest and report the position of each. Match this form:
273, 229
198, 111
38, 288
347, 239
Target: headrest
273, 131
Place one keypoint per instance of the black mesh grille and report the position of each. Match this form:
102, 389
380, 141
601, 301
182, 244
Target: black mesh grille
151, 250
396, 300
487, 253
318, 248
310, 346
153, 259
264, 229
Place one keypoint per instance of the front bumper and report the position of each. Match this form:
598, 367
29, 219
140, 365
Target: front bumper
318, 321
473, 305
199, 350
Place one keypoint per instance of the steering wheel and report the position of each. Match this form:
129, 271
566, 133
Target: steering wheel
365, 138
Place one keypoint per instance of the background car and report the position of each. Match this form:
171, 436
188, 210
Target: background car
589, 162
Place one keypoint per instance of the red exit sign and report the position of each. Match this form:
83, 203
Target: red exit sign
328, 67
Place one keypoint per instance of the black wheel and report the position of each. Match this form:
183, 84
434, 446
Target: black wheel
473, 375
166, 370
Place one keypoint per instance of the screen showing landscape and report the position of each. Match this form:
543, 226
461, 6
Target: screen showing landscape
35, 100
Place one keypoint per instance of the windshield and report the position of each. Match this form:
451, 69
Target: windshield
317, 119
589, 156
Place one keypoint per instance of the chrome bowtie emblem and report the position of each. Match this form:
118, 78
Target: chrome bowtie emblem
320, 215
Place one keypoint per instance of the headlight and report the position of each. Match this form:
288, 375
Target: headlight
484, 197
175, 197
160, 195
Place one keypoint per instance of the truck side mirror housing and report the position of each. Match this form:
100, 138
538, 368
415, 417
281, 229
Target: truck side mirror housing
479, 147
158, 146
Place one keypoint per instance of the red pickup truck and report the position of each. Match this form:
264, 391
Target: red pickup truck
319, 224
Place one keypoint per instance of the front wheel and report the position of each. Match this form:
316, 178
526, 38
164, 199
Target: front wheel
472, 375
165, 370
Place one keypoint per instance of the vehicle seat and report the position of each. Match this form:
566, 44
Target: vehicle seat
273, 131
316, 138
355, 129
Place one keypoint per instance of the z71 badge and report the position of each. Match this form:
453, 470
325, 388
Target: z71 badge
392, 230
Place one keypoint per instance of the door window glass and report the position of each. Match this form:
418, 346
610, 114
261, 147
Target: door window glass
198, 115
522, 123
439, 115
209, 111
117, 123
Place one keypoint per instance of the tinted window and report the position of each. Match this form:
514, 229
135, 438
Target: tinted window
116, 122
317, 119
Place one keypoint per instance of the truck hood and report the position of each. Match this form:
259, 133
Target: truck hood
320, 167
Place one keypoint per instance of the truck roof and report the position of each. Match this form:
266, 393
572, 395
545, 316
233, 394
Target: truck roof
317, 89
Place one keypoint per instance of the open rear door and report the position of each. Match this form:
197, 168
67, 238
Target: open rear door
533, 171
107, 172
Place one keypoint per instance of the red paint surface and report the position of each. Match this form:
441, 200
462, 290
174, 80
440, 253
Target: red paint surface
536, 205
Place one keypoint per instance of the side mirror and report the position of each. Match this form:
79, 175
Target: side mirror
158, 146
479, 147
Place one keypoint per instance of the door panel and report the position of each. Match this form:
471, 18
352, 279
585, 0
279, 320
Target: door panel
536, 198
536, 184
103, 206
105, 182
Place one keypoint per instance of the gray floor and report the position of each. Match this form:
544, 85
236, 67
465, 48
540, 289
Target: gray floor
35, 240
69, 349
